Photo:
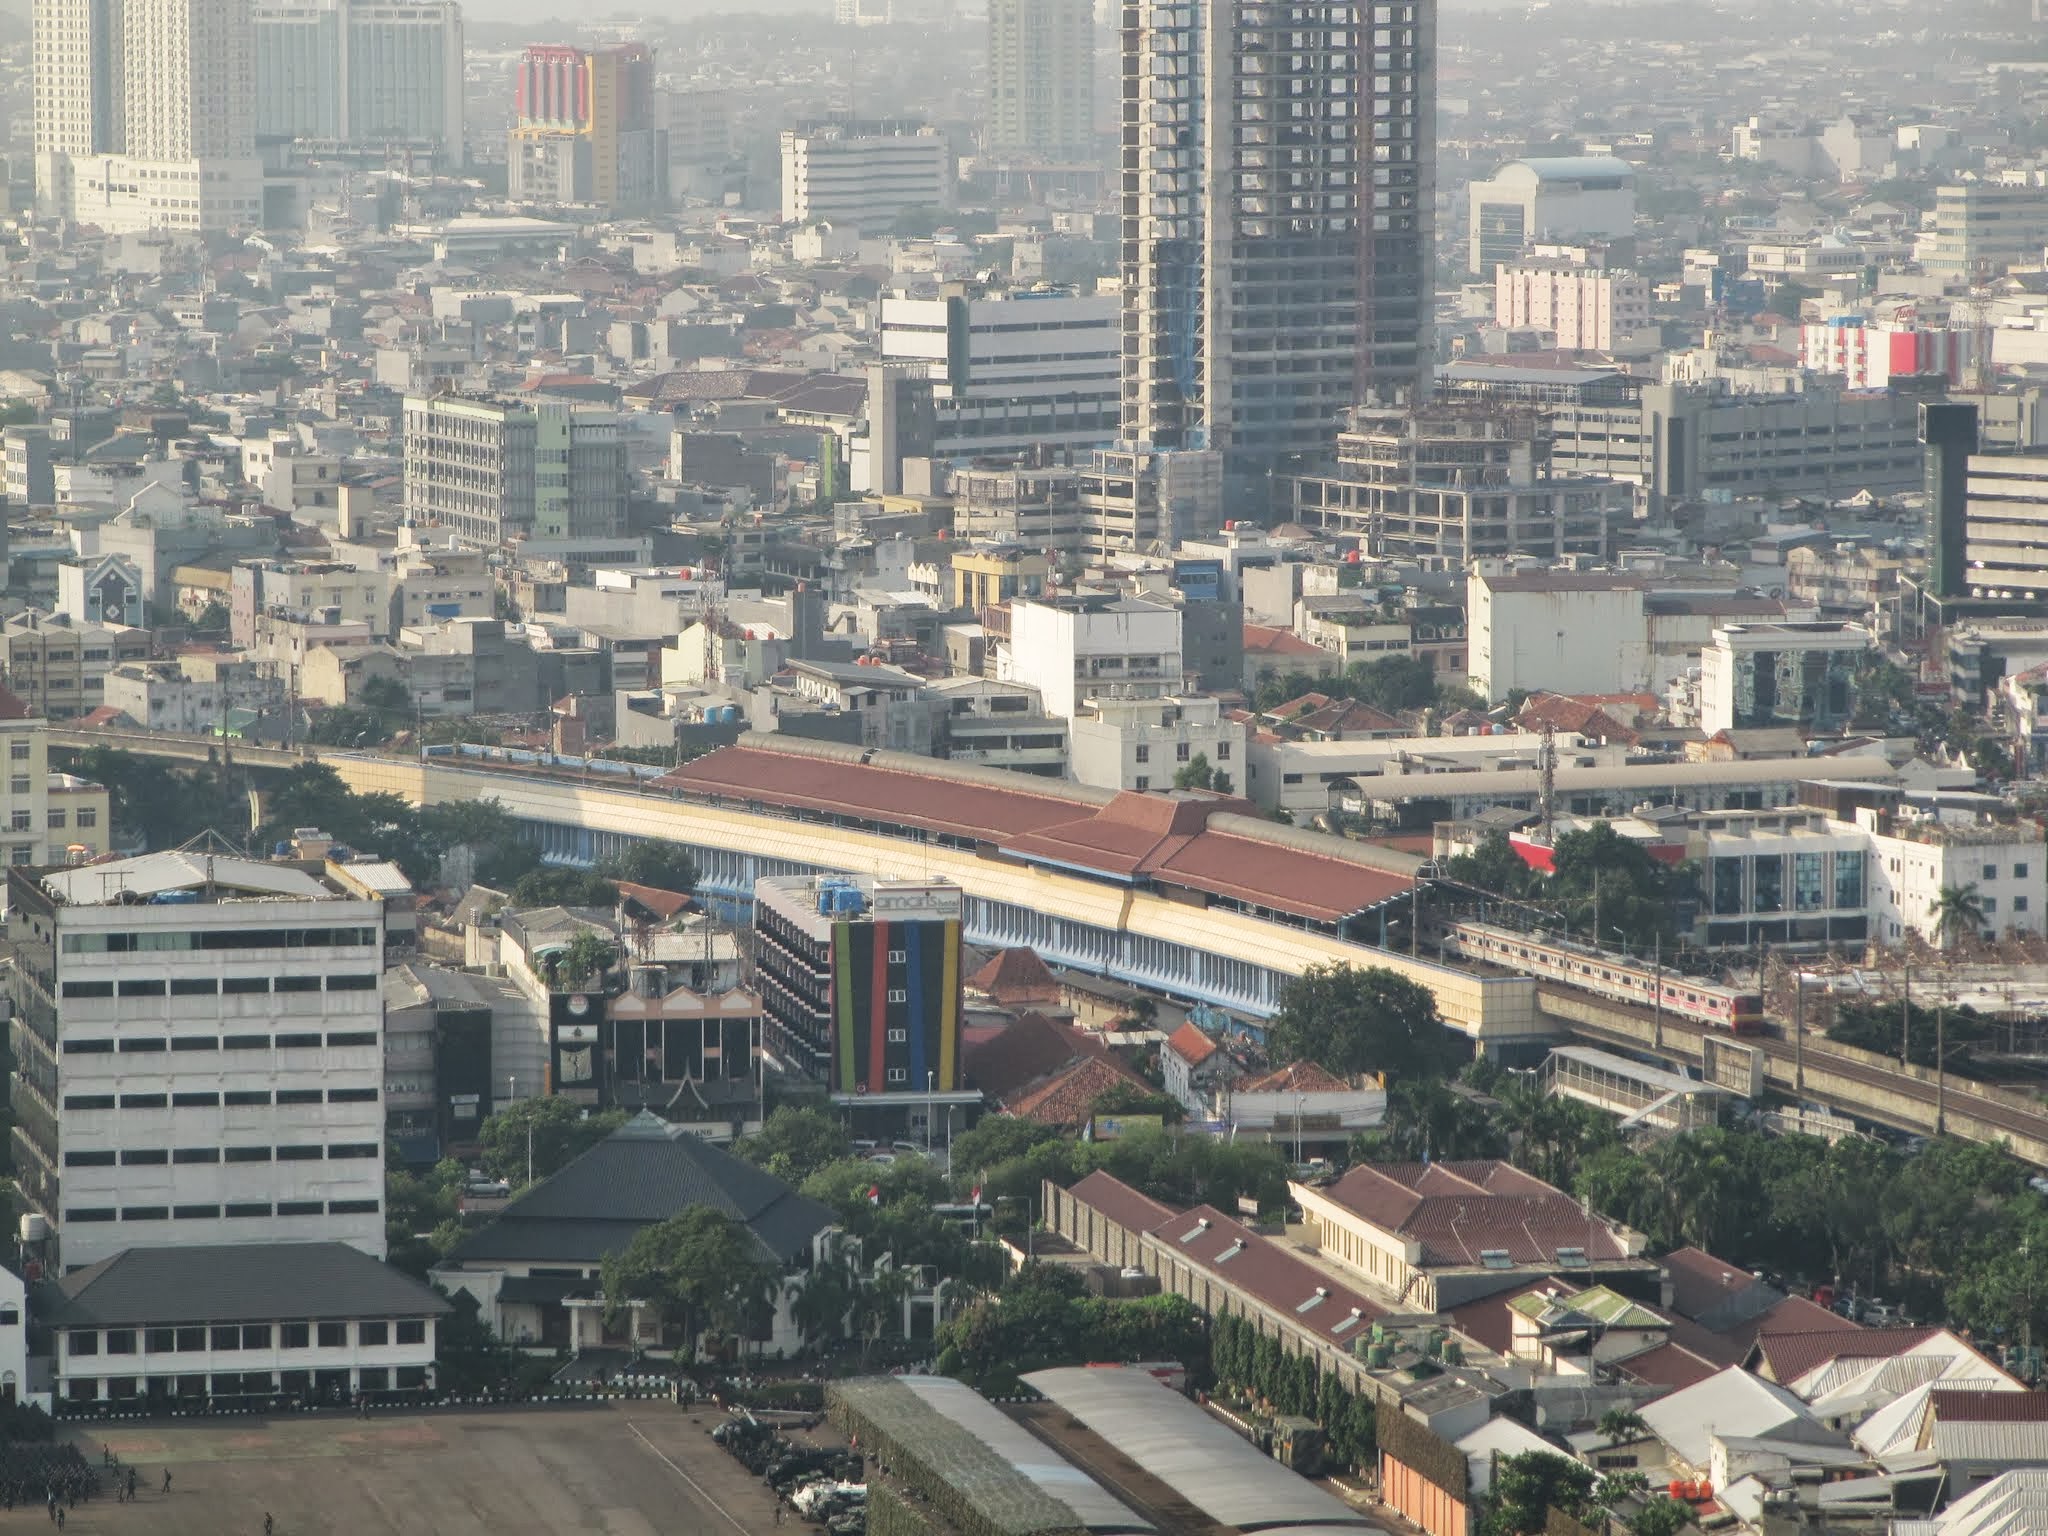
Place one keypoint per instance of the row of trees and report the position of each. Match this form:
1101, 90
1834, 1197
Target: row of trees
1043, 1317
1390, 684
1253, 1365
167, 806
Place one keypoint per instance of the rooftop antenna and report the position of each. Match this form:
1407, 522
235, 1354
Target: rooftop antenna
1547, 782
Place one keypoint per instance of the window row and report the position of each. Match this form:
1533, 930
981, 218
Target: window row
208, 986
237, 1336
145, 1157
330, 1385
309, 1039
216, 938
237, 1208
233, 1098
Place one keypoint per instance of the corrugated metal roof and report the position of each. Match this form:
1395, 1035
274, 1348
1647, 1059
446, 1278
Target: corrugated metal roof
1095, 1506
1733, 1402
1213, 1468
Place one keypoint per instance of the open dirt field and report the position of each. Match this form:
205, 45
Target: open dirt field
626, 1469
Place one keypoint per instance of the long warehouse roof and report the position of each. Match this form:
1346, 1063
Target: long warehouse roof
1215, 1469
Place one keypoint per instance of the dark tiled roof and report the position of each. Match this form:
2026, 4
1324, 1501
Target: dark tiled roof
1487, 1321
1122, 1204
1670, 1366
229, 1283
1225, 1247
1791, 1314
11, 705
644, 1172
1701, 1283
1029, 1049
1965, 1405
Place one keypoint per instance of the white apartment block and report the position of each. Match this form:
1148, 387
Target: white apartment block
1588, 308
1914, 859
1566, 631
185, 156
1140, 744
863, 173
1093, 646
1011, 371
199, 1040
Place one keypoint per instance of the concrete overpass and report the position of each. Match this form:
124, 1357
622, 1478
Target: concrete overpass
1217, 955
1861, 1083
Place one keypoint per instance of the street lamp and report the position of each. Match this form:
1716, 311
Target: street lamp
930, 1077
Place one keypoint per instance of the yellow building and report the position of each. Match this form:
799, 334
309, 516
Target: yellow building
984, 577
79, 819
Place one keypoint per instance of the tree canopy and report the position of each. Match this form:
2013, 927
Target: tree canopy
562, 1132
703, 1270
794, 1143
1353, 1019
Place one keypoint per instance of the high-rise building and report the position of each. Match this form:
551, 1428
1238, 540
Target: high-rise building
144, 114
860, 981
200, 1057
491, 471
863, 173
78, 84
1279, 181
1041, 80
587, 128
360, 72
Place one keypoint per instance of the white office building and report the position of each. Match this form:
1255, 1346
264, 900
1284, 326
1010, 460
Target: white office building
1566, 197
1141, 744
1094, 645
199, 1056
1011, 371
1798, 675
863, 173
1916, 855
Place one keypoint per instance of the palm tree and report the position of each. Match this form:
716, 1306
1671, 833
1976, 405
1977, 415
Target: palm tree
1619, 1426
1958, 912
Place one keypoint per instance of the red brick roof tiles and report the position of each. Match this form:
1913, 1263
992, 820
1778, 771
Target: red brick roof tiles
1066, 1098
1223, 1246
1164, 838
1459, 1210
1671, 1366
1785, 1357
1016, 975
1296, 1077
1191, 1045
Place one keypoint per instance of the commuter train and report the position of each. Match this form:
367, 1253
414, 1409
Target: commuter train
1608, 975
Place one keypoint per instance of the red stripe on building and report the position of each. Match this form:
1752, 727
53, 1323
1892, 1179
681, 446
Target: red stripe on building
878, 1022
